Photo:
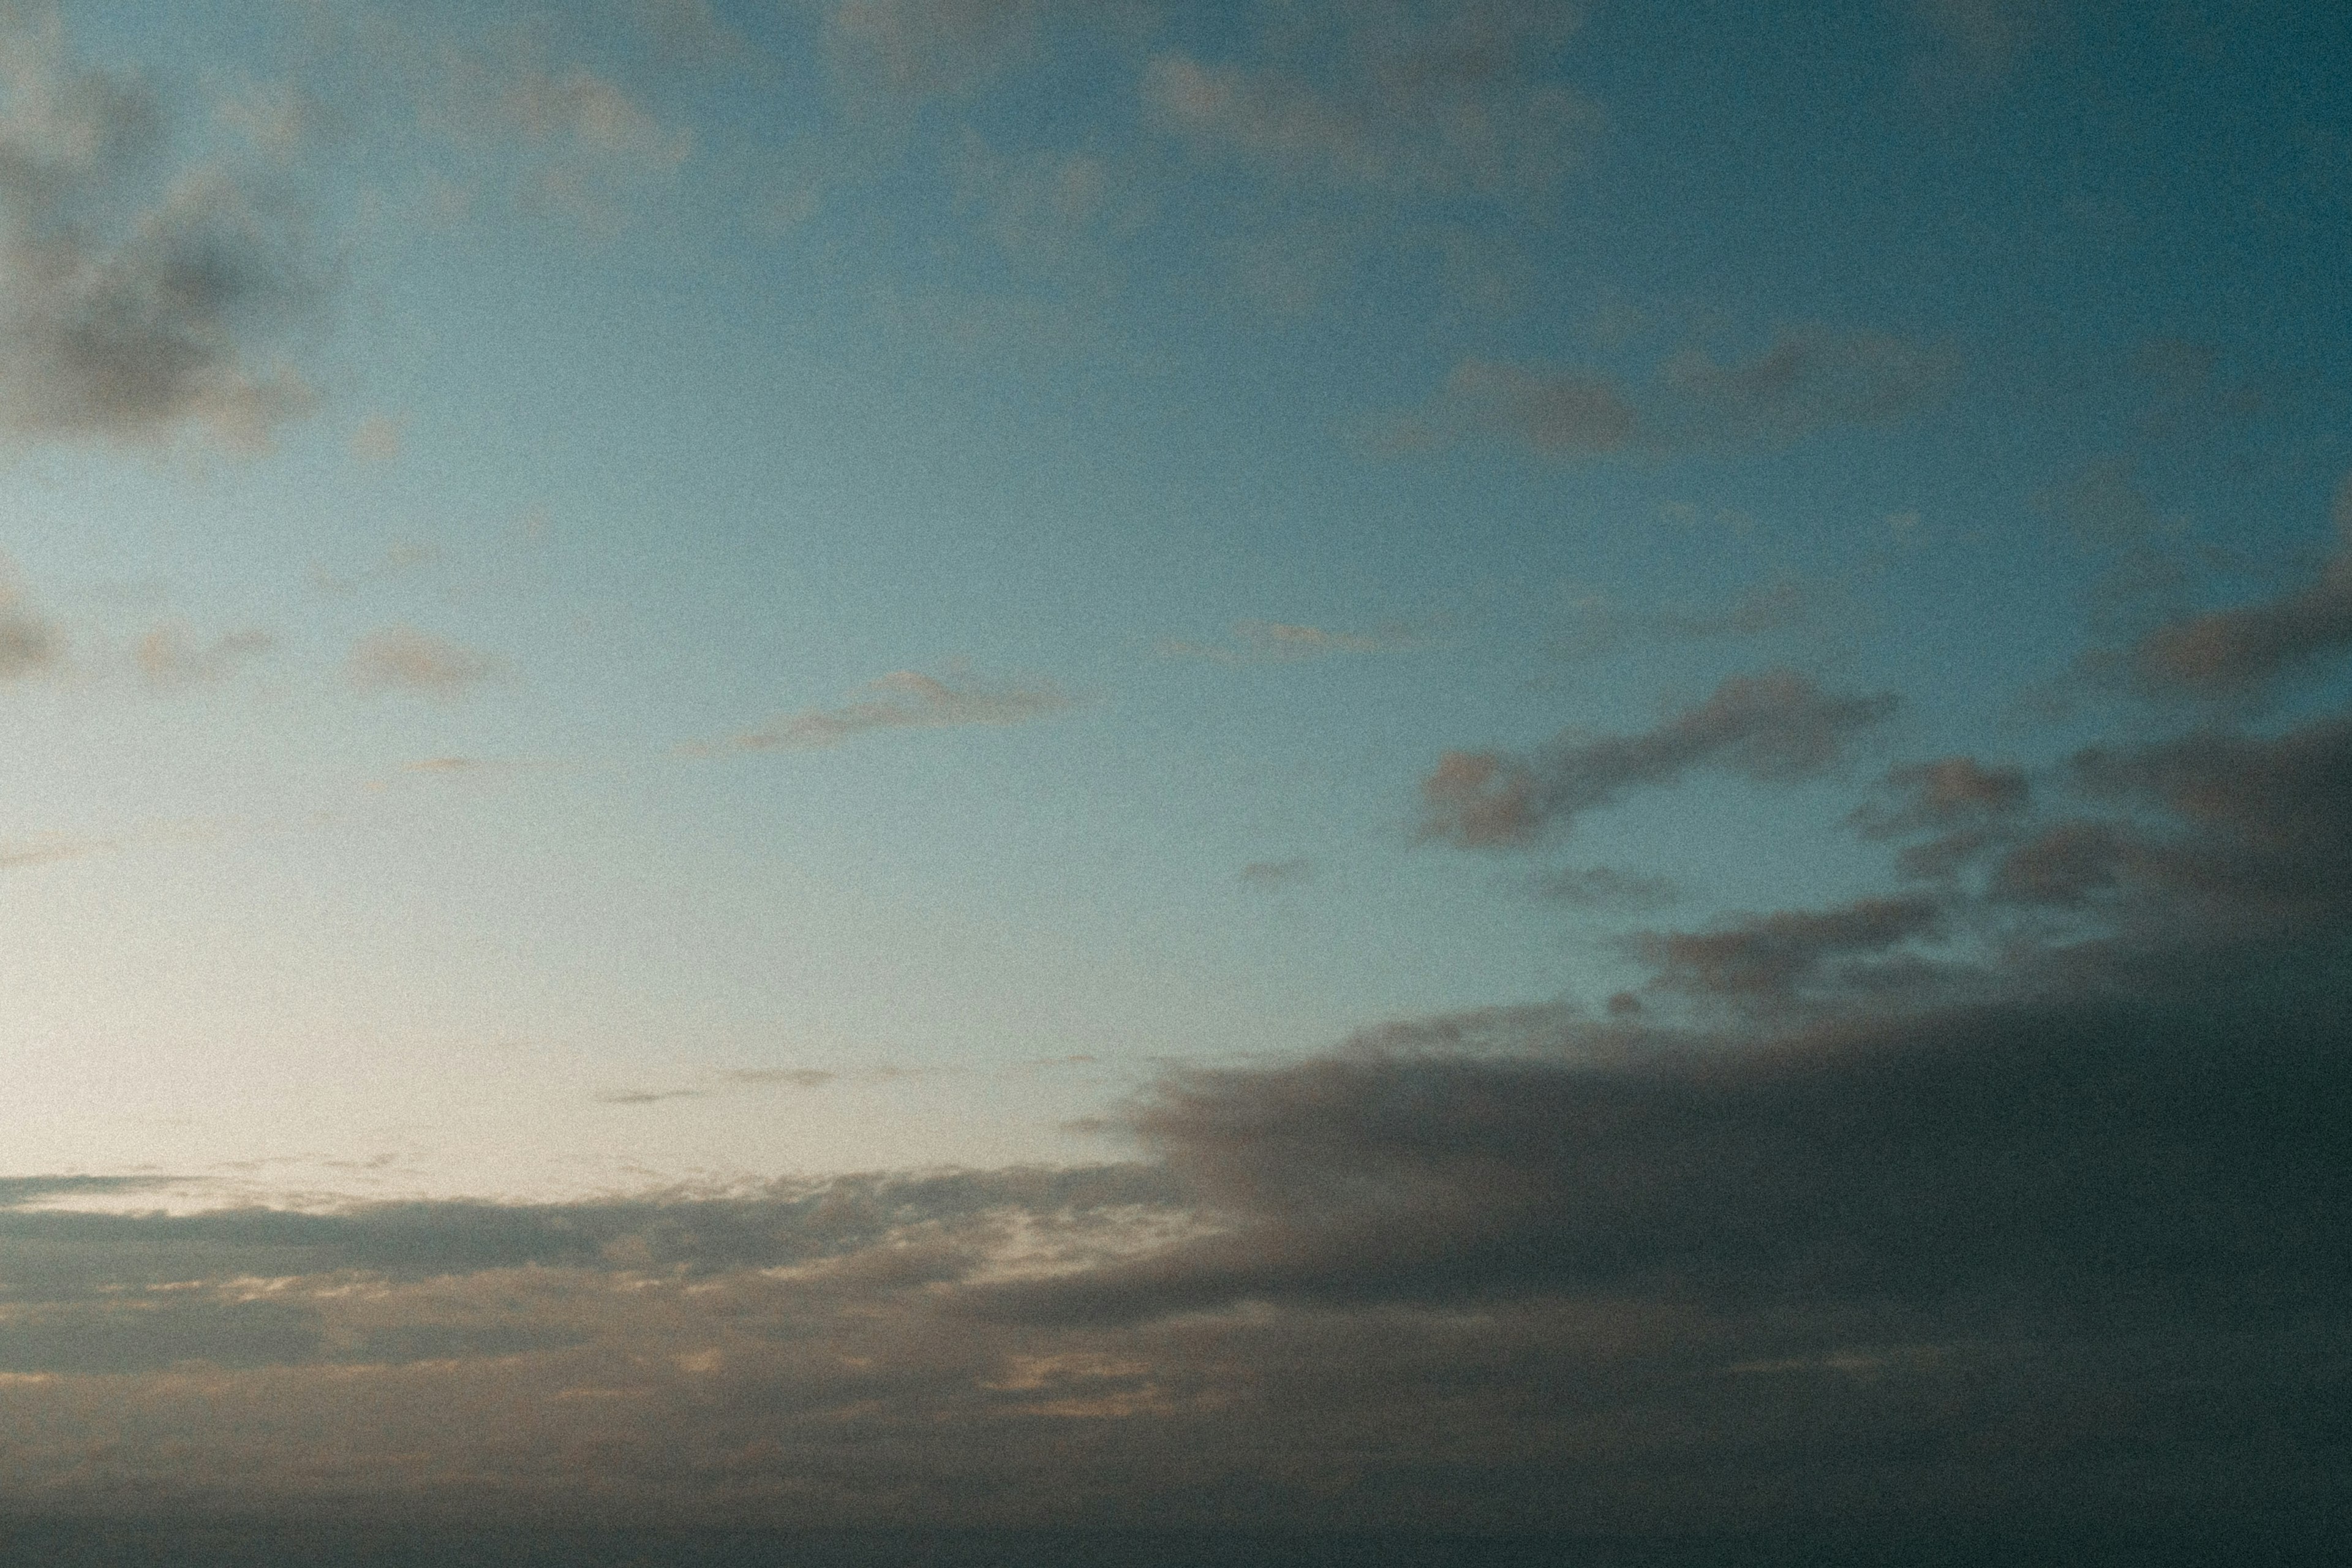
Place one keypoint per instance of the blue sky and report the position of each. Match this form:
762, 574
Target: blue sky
692, 592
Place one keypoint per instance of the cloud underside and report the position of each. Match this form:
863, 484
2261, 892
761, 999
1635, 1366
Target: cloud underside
1775, 726
1819, 1230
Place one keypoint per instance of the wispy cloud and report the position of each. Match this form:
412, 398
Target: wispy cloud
902, 699
172, 655
402, 658
1773, 726
1807, 380
1277, 642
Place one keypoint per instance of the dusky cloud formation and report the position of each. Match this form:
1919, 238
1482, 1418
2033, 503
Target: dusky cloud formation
902, 699
142, 298
1774, 726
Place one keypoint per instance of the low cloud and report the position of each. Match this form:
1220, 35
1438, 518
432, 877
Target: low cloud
1605, 888
403, 660
902, 699
1771, 727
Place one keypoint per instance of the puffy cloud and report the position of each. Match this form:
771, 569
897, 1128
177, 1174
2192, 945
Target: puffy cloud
402, 658
131, 311
1769, 727
902, 699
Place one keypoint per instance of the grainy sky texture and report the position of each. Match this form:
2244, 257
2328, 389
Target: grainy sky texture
1480, 766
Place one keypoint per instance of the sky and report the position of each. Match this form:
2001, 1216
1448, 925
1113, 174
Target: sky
1542, 766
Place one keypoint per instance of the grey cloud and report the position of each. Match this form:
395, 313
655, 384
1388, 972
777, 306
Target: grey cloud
135, 311
790, 1077
1277, 873
1769, 727
2238, 653
1768, 959
902, 699
1989, 36
402, 659
1807, 381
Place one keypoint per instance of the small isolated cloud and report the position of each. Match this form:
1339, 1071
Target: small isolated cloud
18, 853
783, 1077
902, 699
31, 643
402, 658
1807, 381
2238, 653
1277, 873
1275, 642
377, 438
135, 302
1986, 36
1773, 726
172, 655
648, 1096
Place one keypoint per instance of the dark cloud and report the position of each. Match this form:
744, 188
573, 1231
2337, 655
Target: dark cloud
1769, 727
139, 300
1807, 381
1769, 958
2238, 653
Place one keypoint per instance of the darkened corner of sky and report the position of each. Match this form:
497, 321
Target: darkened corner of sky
1405, 775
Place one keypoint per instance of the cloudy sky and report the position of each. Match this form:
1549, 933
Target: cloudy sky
1485, 764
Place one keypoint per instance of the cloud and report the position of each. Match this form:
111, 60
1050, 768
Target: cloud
1768, 959
1987, 37
1277, 873
1807, 381
1605, 888
137, 305
18, 853
377, 438
1769, 727
31, 643
902, 699
2238, 653
172, 655
402, 658
1442, 100
1275, 642
915, 49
